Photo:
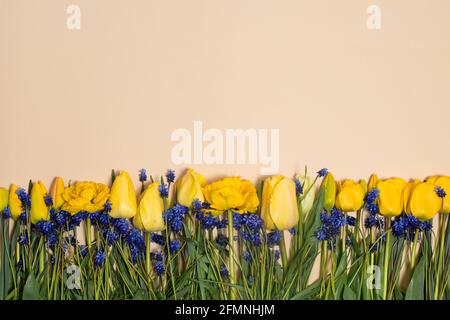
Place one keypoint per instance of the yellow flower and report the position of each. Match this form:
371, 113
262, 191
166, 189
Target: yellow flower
407, 193
85, 196
231, 193
123, 197
390, 200
444, 183
350, 196
308, 198
150, 210
15, 205
56, 192
424, 203
329, 186
373, 181
189, 187
3, 199
279, 203
39, 210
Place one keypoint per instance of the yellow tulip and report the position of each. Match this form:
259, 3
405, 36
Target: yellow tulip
432, 179
390, 200
308, 198
444, 183
424, 203
123, 197
231, 193
56, 192
85, 196
350, 196
4, 194
189, 187
329, 186
407, 193
39, 210
150, 210
373, 181
279, 203
15, 205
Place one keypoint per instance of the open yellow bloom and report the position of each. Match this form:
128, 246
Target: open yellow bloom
123, 197
329, 186
189, 187
444, 183
4, 195
231, 193
85, 196
424, 203
15, 205
39, 210
150, 210
279, 203
308, 198
57, 192
407, 194
390, 200
350, 195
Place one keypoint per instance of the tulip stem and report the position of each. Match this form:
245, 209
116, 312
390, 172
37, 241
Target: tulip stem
386, 257
231, 254
441, 254
283, 250
147, 253
414, 249
88, 233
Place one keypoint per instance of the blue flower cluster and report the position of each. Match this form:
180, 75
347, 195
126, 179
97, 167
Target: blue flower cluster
274, 238
331, 224
174, 217
170, 176
373, 219
322, 172
250, 226
407, 225
298, 188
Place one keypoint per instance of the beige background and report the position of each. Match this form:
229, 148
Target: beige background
79, 103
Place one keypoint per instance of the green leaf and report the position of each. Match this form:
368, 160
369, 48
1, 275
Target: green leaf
416, 286
31, 289
309, 292
349, 294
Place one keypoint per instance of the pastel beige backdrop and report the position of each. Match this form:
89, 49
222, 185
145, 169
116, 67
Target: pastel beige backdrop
79, 103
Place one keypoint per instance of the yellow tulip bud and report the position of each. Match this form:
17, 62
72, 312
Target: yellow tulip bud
232, 193
444, 183
390, 200
329, 186
279, 203
150, 210
363, 185
308, 198
350, 196
39, 210
407, 193
3, 199
373, 181
123, 197
189, 187
432, 179
424, 203
56, 192
15, 205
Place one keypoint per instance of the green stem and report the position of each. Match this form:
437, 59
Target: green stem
386, 258
147, 253
441, 255
414, 249
283, 250
88, 233
231, 254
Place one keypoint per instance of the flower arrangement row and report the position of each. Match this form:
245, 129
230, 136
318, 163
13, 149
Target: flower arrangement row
229, 239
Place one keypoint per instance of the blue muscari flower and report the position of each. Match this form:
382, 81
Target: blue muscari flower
273, 238
247, 256
371, 221
224, 271
293, 231
399, 226
170, 175
250, 280
24, 197
426, 226
158, 239
20, 264
413, 222
253, 221
111, 236
331, 225
163, 191
298, 187
23, 239
159, 268
238, 220
60, 218
372, 208
142, 175
82, 249
196, 205
52, 259
103, 219
77, 218
174, 217
222, 240
206, 205
45, 227
245, 235
221, 224
7, 213
372, 195
440, 192
175, 246
48, 200
122, 225
23, 217
322, 172
136, 253
321, 233
256, 239
107, 207
208, 222
351, 221
51, 240
99, 258
277, 255
158, 256
135, 238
